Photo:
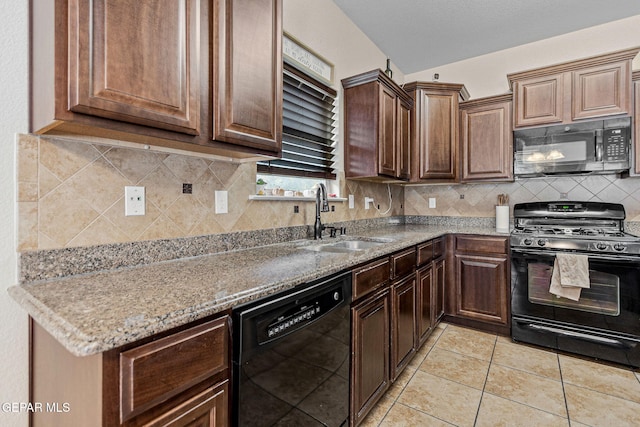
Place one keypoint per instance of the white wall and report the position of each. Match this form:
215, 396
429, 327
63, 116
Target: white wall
486, 75
324, 28
13, 119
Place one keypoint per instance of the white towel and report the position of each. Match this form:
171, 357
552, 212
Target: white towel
570, 275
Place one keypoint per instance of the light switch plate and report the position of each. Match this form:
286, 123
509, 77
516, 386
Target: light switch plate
222, 202
352, 203
134, 201
432, 202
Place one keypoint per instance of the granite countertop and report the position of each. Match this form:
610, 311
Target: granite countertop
96, 312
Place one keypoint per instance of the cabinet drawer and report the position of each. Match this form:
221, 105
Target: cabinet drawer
482, 244
403, 263
370, 277
425, 253
154, 372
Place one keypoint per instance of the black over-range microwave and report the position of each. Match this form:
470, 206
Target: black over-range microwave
600, 146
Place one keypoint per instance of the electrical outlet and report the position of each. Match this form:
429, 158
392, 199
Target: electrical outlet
432, 202
134, 201
352, 202
221, 202
367, 200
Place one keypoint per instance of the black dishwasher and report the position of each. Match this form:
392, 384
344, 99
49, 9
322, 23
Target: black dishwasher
291, 356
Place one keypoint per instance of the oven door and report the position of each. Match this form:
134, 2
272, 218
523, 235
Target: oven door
612, 303
604, 323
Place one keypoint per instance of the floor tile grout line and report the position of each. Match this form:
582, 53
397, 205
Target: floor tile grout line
395, 400
596, 390
486, 378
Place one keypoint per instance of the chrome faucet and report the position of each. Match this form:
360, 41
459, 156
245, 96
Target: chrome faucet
322, 205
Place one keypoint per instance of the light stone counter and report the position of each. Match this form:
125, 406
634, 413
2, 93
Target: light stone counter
95, 312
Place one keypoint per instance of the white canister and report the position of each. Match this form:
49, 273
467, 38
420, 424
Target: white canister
502, 219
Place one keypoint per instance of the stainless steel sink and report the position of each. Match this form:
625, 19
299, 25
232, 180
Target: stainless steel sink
347, 245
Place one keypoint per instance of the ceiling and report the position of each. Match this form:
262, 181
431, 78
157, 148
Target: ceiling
421, 34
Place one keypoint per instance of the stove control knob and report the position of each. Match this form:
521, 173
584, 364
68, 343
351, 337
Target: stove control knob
528, 241
542, 242
619, 247
601, 246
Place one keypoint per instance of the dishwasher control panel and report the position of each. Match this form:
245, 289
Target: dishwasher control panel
284, 323
296, 314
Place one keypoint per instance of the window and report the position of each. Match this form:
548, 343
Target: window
308, 130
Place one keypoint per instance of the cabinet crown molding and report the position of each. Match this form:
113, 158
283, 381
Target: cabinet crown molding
621, 55
437, 86
377, 76
505, 97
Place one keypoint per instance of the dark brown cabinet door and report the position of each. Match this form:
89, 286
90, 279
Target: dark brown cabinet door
438, 147
486, 139
403, 324
601, 90
481, 287
247, 73
370, 353
404, 141
137, 62
387, 151
539, 100
434, 136
439, 274
424, 301
636, 84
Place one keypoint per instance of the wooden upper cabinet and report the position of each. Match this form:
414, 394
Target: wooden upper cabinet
486, 139
589, 88
196, 75
404, 140
247, 76
136, 62
377, 127
602, 90
539, 100
636, 121
435, 130
387, 157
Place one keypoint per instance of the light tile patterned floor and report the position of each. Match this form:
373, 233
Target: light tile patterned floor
462, 377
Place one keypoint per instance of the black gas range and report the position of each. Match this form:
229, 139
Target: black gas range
573, 226
602, 318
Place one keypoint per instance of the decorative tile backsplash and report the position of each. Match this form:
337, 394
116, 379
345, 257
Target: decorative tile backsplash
479, 200
71, 193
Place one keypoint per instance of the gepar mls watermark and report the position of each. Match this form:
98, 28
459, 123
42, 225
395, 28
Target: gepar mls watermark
18, 407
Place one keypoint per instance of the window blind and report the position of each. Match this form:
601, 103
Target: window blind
308, 129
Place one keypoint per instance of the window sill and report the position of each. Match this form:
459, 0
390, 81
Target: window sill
293, 198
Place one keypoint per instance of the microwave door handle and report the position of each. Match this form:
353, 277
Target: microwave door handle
599, 145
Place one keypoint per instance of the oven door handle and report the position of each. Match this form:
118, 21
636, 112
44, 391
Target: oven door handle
592, 255
579, 335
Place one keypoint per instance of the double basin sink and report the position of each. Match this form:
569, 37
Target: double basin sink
351, 245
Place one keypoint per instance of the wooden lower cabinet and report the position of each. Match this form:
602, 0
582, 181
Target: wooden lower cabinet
403, 324
177, 379
370, 374
439, 274
424, 300
206, 409
478, 293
